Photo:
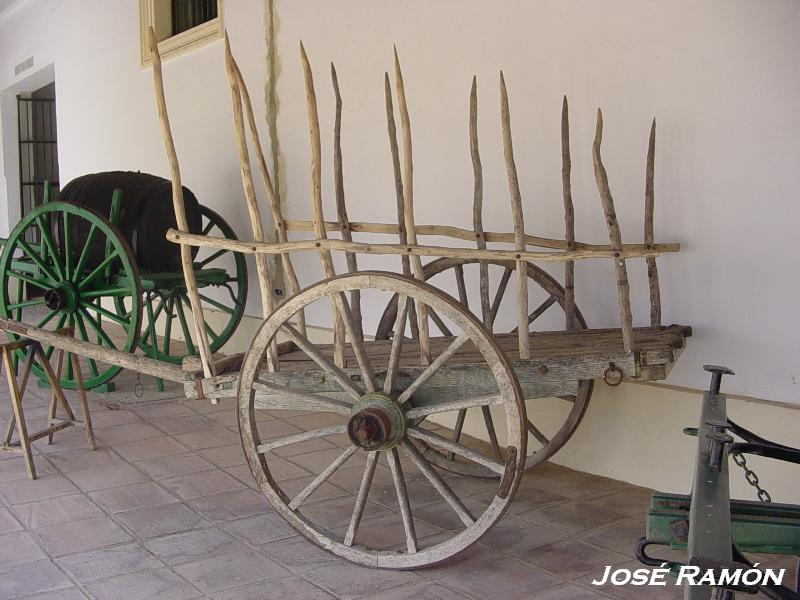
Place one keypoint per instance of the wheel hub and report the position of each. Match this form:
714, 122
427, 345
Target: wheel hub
376, 423
62, 297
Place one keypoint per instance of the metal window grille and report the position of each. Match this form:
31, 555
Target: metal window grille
38, 150
191, 13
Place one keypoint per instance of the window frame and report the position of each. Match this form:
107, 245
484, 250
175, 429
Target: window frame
175, 45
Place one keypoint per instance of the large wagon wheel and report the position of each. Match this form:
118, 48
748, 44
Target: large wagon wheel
380, 421
543, 443
167, 306
59, 263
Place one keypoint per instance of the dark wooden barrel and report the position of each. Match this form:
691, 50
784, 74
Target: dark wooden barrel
146, 213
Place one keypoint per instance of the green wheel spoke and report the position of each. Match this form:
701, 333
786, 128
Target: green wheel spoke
211, 258
216, 304
42, 285
98, 269
26, 303
85, 337
102, 335
207, 229
48, 242
152, 316
37, 259
117, 291
61, 320
184, 327
84, 252
214, 335
151, 329
107, 313
168, 327
67, 249
70, 372
47, 319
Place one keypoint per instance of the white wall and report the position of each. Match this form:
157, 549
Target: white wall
720, 76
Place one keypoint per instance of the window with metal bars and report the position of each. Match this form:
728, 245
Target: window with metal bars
187, 14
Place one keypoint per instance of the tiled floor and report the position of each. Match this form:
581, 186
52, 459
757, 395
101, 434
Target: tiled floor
166, 508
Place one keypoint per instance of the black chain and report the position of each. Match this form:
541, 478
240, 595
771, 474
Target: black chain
751, 477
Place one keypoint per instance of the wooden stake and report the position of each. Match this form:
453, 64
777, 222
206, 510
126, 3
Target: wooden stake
316, 202
272, 195
341, 206
408, 207
614, 236
180, 211
569, 218
519, 224
398, 188
262, 266
649, 207
477, 201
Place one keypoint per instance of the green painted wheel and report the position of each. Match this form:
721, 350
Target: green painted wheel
168, 331
59, 264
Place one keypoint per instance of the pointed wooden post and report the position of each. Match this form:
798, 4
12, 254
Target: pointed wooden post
180, 211
649, 207
519, 225
614, 236
569, 218
316, 203
341, 205
477, 201
398, 188
408, 208
262, 266
272, 195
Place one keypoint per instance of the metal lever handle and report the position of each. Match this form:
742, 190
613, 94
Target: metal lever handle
716, 376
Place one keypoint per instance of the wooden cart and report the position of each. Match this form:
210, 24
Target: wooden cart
404, 395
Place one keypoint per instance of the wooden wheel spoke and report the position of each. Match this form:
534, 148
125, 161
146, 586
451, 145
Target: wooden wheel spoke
498, 296
303, 436
461, 284
439, 323
357, 342
433, 367
540, 437
314, 354
397, 343
303, 494
461, 450
289, 399
463, 404
489, 422
462, 414
402, 499
361, 498
438, 483
539, 311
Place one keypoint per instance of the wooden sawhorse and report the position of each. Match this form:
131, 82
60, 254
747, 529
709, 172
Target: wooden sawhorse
17, 391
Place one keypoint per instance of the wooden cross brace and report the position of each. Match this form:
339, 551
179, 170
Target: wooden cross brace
17, 392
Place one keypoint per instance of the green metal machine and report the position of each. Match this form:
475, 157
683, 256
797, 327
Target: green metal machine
716, 531
67, 265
